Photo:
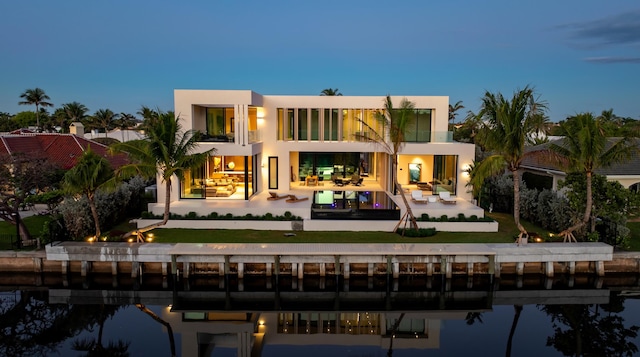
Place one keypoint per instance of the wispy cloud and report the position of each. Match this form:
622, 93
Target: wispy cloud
611, 59
622, 29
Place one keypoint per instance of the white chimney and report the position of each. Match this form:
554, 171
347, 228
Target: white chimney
76, 128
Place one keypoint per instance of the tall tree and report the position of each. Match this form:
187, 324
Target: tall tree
21, 176
35, 97
90, 173
330, 92
147, 113
507, 125
166, 151
453, 109
6, 122
586, 147
124, 122
393, 123
105, 119
69, 113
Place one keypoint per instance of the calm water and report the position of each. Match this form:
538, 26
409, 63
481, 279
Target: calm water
223, 317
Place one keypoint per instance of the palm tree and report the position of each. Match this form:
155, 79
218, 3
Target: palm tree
516, 316
38, 97
90, 173
104, 118
147, 113
74, 112
124, 122
394, 125
166, 151
330, 92
506, 126
453, 110
585, 148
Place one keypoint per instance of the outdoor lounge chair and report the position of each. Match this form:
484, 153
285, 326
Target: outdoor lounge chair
445, 197
274, 196
294, 199
416, 196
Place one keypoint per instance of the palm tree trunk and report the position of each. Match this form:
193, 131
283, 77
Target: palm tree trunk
394, 329
412, 218
94, 214
165, 217
172, 344
516, 317
167, 201
516, 204
37, 116
568, 233
397, 186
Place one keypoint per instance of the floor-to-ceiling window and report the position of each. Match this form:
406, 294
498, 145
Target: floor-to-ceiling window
331, 125
303, 124
222, 176
445, 173
281, 127
220, 125
418, 128
315, 124
290, 129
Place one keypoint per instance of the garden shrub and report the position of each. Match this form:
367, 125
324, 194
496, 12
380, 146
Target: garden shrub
111, 206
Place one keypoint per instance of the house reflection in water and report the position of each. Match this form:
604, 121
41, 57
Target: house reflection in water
258, 334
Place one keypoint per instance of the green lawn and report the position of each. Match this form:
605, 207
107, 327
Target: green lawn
506, 234
634, 243
33, 223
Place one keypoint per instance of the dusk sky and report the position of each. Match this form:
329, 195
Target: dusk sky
580, 55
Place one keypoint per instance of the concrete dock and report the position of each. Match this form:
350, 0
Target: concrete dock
329, 259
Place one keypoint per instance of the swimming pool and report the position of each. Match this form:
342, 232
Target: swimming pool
357, 205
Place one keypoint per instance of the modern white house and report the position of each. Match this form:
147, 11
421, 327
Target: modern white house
307, 146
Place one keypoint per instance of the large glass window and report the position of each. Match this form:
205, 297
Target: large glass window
445, 173
350, 123
330, 124
290, 124
315, 124
192, 185
303, 124
273, 172
323, 165
221, 176
252, 125
220, 124
280, 124
418, 128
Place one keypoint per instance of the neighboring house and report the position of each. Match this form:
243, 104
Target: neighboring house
61, 149
281, 143
626, 173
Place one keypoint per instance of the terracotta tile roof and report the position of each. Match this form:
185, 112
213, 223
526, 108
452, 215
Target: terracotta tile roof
63, 149
538, 160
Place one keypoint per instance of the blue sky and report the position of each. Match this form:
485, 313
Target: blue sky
120, 54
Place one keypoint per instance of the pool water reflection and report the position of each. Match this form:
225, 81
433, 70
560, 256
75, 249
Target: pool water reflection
361, 205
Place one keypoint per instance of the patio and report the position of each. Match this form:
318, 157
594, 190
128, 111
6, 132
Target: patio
259, 205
